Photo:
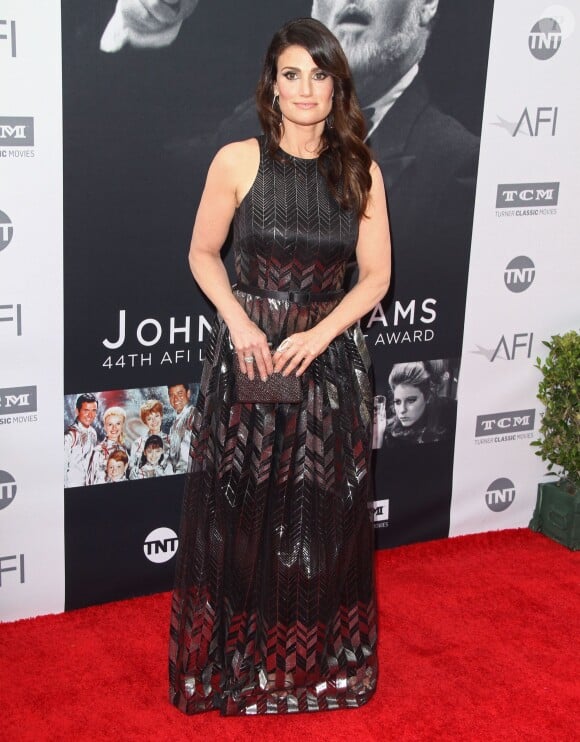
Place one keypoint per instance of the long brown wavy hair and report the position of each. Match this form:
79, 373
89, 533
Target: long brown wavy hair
345, 159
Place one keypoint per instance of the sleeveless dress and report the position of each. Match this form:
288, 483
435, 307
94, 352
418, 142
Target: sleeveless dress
273, 609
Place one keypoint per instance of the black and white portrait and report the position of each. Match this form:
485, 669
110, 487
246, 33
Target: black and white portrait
419, 404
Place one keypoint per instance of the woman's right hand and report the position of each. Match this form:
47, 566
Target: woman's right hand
251, 345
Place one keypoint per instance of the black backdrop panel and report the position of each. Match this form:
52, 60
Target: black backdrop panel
106, 528
139, 132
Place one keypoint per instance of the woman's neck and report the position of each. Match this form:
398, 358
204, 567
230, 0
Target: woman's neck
301, 141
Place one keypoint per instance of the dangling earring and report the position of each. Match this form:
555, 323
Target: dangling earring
275, 102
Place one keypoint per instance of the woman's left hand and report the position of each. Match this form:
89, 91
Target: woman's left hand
297, 351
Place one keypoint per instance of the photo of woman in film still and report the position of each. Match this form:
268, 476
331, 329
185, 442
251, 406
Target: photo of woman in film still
420, 404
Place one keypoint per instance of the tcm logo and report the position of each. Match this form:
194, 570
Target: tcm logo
517, 421
6, 230
7, 489
380, 511
17, 399
545, 38
160, 545
12, 563
8, 36
12, 313
16, 131
514, 195
500, 494
519, 274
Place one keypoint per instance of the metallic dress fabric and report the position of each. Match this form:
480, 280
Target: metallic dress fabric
273, 610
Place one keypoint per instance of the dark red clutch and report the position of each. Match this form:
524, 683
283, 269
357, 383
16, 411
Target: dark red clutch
276, 388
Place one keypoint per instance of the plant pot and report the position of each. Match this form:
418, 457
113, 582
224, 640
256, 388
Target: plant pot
557, 514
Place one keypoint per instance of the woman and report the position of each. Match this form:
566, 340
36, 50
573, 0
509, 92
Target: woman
273, 609
421, 416
114, 425
151, 414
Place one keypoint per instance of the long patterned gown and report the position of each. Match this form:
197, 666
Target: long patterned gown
273, 609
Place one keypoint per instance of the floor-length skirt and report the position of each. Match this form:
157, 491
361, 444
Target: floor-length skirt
273, 609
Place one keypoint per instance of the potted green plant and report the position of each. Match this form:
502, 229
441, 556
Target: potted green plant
557, 511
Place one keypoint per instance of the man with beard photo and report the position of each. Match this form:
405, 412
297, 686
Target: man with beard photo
428, 159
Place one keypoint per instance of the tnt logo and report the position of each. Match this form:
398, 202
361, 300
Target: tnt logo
545, 38
519, 274
7, 489
16, 131
6, 230
15, 399
500, 494
160, 545
9, 564
8, 35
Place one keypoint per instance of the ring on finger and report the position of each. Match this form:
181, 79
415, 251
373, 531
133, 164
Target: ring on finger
284, 345
248, 359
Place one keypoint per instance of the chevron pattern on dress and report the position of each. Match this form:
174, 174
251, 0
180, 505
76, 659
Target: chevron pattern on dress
273, 609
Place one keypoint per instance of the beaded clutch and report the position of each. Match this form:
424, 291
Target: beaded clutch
276, 388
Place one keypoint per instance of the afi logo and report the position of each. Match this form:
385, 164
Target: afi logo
17, 399
545, 38
519, 274
504, 422
544, 118
12, 563
512, 195
12, 313
509, 349
7, 489
8, 34
500, 494
16, 131
160, 545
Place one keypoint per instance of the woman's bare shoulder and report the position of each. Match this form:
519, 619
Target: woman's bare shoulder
235, 166
236, 154
375, 171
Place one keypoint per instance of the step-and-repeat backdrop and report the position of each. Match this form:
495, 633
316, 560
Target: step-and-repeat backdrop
110, 114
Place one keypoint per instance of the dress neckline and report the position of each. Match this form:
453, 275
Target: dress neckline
295, 157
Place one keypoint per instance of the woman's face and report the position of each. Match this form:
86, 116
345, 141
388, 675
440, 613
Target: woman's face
304, 90
153, 422
113, 427
153, 454
410, 404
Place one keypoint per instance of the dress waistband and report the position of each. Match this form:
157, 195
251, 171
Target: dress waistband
298, 297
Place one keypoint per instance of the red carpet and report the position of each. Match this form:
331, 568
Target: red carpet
478, 641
